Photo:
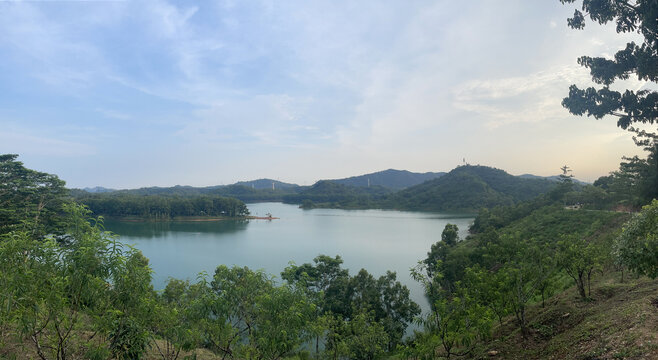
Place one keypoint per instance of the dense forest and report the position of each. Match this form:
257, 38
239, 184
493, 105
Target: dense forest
242, 191
391, 178
162, 207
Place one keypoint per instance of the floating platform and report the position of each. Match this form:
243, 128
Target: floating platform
262, 217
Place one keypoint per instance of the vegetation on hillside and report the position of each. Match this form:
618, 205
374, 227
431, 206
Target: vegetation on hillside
162, 207
327, 193
464, 189
392, 179
242, 192
468, 188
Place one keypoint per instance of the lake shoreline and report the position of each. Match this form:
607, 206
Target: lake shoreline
190, 218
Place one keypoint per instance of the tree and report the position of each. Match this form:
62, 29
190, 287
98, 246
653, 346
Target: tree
387, 300
456, 319
637, 246
367, 338
631, 107
450, 234
29, 200
174, 323
565, 177
49, 288
579, 257
642, 60
526, 270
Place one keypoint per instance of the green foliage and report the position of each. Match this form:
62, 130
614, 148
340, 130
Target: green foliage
342, 297
392, 179
387, 300
450, 234
511, 263
162, 207
29, 200
630, 107
241, 313
637, 246
48, 286
457, 319
642, 60
252, 191
579, 258
527, 269
468, 188
366, 338
175, 318
327, 193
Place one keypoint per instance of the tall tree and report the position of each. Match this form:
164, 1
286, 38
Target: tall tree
29, 199
632, 107
450, 234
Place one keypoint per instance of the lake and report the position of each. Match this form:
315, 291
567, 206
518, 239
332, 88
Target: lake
376, 240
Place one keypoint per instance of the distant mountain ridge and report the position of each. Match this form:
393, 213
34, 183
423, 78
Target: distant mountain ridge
465, 188
391, 178
329, 193
97, 189
266, 184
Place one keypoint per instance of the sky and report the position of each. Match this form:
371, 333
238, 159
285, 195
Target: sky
127, 94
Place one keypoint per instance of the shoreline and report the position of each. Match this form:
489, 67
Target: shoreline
191, 218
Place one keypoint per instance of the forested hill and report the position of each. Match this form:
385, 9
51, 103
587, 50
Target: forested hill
468, 188
328, 193
242, 191
391, 178
162, 207
266, 184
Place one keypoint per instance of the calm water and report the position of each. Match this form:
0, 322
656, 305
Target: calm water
372, 239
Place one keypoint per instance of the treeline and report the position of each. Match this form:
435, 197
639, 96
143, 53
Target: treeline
162, 206
74, 291
327, 193
242, 191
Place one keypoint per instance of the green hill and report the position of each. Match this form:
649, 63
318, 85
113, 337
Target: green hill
468, 188
266, 184
327, 193
391, 178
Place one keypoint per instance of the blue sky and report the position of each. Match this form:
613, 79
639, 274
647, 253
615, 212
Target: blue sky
126, 94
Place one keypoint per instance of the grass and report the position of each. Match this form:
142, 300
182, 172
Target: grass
620, 321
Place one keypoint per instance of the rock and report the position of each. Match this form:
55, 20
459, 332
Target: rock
492, 353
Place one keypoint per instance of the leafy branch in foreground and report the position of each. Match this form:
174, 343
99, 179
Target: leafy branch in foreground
637, 246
